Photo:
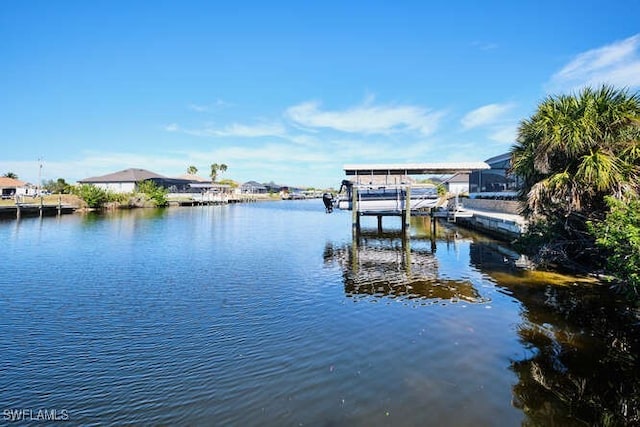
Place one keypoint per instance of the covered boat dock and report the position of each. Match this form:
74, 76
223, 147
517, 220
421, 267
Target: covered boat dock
367, 176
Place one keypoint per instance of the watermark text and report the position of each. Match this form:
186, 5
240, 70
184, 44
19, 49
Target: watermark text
29, 414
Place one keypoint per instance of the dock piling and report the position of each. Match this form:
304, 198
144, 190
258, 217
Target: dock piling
355, 212
407, 209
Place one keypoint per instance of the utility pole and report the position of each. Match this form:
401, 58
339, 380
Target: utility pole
40, 183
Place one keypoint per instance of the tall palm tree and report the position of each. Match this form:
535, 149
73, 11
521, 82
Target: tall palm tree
215, 168
576, 149
192, 170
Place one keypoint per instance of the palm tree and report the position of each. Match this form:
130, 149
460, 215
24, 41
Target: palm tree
215, 168
576, 149
10, 175
192, 170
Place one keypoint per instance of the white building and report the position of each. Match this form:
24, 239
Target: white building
124, 181
458, 184
10, 187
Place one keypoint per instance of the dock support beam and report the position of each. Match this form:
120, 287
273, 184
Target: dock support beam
355, 211
379, 223
432, 217
406, 214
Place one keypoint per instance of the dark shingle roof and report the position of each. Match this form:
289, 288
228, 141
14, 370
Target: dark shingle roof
253, 184
127, 175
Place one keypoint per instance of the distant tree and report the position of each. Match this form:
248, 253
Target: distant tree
58, 186
217, 168
231, 183
192, 170
10, 175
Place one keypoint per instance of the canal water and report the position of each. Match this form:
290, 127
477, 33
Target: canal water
273, 314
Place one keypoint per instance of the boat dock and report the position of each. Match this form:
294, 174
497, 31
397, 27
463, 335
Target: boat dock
380, 177
33, 209
373, 183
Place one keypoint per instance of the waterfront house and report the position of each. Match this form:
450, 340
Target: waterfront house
496, 182
10, 187
253, 187
457, 184
126, 181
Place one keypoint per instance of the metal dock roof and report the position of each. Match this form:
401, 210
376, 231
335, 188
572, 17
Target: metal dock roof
444, 168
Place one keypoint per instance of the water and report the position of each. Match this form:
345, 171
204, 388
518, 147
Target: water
271, 314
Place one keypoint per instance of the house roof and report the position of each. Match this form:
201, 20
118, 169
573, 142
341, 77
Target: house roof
253, 184
127, 175
193, 178
458, 178
499, 158
10, 182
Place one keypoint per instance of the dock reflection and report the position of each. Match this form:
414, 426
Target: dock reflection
390, 265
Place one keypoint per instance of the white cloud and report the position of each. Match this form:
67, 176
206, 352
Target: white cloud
485, 115
207, 108
504, 134
234, 130
200, 108
484, 45
172, 127
366, 118
617, 64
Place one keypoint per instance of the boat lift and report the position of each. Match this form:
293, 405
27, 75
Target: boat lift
397, 176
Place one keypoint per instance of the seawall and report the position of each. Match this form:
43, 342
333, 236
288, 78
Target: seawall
499, 218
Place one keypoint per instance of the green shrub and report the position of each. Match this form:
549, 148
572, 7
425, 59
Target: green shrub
157, 194
94, 197
619, 235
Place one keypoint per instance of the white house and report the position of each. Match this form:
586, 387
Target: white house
457, 184
10, 187
125, 181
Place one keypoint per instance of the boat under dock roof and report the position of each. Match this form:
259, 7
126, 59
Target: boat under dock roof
445, 168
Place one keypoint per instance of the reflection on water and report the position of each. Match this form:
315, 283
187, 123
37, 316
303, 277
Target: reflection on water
584, 369
394, 266
579, 365
272, 314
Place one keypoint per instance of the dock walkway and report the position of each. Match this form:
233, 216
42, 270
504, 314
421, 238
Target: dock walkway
33, 209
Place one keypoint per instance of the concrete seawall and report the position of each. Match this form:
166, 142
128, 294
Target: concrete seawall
491, 205
499, 218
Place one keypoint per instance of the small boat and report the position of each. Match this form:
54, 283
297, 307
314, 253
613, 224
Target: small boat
385, 198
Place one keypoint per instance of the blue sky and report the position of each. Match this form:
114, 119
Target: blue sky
290, 91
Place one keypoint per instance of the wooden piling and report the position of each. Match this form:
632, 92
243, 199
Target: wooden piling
407, 210
355, 213
406, 247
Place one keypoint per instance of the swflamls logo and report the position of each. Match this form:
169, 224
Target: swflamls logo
35, 415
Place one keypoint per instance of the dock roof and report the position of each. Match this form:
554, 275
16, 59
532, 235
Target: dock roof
445, 168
